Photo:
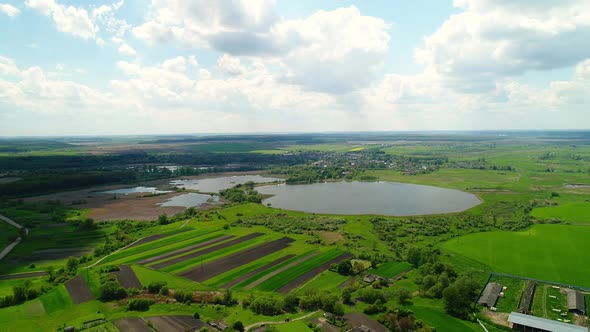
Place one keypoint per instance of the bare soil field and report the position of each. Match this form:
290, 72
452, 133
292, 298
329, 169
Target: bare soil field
134, 324
127, 277
356, 319
104, 208
147, 239
308, 275
79, 290
185, 250
274, 273
177, 323
230, 262
256, 271
205, 251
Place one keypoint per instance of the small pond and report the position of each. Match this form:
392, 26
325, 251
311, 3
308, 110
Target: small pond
382, 198
134, 190
190, 199
214, 185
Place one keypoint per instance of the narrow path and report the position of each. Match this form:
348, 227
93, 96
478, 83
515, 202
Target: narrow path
251, 326
11, 246
544, 301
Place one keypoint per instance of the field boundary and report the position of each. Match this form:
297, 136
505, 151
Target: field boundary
8, 249
585, 289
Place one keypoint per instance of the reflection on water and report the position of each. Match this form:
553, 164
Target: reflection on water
214, 185
190, 199
384, 198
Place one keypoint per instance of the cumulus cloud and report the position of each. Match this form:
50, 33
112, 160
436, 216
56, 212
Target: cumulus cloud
494, 39
68, 19
330, 51
9, 9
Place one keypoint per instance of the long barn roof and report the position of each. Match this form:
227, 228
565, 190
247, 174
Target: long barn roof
490, 294
544, 324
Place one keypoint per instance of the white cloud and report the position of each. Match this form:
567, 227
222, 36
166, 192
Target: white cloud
230, 65
70, 19
9, 9
494, 39
332, 51
127, 50
7, 67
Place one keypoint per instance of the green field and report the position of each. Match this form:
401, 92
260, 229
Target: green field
283, 278
578, 212
547, 252
8, 234
326, 280
390, 269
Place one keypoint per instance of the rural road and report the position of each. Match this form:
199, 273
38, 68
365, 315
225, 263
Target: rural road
11, 246
251, 326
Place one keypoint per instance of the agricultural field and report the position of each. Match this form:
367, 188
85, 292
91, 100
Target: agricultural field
520, 253
577, 212
253, 253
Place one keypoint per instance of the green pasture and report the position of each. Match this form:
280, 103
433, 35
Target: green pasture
578, 212
547, 252
390, 269
327, 280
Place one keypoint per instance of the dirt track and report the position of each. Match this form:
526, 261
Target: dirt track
256, 271
23, 275
132, 324
230, 262
205, 251
185, 250
79, 290
127, 277
308, 275
177, 323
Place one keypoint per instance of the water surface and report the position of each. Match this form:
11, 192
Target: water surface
384, 198
134, 190
214, 185
190, 200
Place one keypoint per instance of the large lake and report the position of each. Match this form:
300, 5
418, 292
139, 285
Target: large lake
383, 198
214, 185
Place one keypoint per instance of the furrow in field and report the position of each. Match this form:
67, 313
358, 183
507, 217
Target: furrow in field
184, 250
252, 273
205, 251
274, 273
308, 275
227, 263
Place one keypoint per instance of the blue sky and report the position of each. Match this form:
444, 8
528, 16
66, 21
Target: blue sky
180, 66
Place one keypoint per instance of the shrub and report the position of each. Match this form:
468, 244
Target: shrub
139, 304
183, 296
156, 286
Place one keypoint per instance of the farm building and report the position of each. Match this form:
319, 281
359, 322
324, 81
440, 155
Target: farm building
490, 294
527, 323
371, 278
361, 328
575, 302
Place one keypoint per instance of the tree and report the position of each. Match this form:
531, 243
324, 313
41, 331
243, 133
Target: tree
345, 267
72, 265
403, 295
19, 294
347, 294
238, 326
459, 296
163, 219
291, 302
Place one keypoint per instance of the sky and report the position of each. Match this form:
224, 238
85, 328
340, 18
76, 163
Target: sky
130, 67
